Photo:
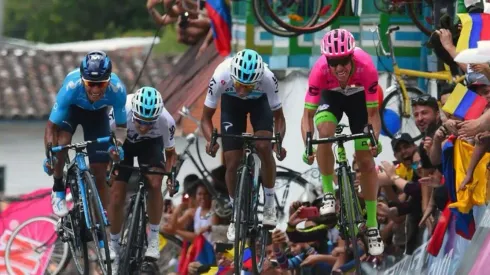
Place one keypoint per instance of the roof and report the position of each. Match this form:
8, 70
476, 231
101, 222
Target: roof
189, 78
29, 80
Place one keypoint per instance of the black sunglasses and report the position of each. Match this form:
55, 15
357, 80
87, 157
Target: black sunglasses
423, 99
334, 62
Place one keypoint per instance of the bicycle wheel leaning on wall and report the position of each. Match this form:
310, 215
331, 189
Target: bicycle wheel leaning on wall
393, 103
261, 13
307, 29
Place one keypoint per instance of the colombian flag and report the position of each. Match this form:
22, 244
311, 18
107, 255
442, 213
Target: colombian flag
475, 27
464, 103
199, 251
220, 15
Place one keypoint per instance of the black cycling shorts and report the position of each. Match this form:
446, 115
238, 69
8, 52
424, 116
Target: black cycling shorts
234, 113
95, 124
149, 152
354, 106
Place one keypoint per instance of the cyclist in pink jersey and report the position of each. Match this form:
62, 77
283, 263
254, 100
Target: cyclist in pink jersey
344, 80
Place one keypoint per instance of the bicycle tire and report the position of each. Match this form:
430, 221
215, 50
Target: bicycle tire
8, 248
279, 32
95, 211
309, 29
134, 211
260, 233
411, 8
77, 242
410, 89
348, 205
241, 221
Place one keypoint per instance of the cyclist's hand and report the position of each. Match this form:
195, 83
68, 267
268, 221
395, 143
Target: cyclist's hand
172, 187
47, 166
212, 151
309, 159
280, 155
116, 154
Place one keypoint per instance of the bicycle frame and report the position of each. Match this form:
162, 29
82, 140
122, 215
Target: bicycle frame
79, 166
400, 72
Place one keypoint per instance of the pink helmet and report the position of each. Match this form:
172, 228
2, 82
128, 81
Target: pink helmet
338, 43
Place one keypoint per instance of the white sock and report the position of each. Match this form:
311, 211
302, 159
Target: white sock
154, 230
269, 196
115, 240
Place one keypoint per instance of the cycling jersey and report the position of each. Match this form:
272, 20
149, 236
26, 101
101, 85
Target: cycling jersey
222, 84
73, 93
364, 78
164, 128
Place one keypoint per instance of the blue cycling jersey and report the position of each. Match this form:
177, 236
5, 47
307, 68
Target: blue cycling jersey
73, 93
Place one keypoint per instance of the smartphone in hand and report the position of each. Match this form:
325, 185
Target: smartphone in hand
309, 212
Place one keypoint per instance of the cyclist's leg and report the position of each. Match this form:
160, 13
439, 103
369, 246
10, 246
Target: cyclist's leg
115, 210
65, 133
328, 114
233, 121
151, 153
357, 113
262, 122
95, 125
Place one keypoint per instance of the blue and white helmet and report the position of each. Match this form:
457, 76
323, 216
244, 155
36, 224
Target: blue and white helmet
247, 67
147, 103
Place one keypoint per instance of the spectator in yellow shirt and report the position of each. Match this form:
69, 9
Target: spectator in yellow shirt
404, 147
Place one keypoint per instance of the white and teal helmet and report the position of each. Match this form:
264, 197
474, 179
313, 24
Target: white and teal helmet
147, 103
247, 67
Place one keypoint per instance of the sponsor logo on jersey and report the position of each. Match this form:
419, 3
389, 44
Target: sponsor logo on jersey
373, 88
211, 85
313, 91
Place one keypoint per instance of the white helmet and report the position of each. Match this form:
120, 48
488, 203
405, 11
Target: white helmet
147, 103
247, 67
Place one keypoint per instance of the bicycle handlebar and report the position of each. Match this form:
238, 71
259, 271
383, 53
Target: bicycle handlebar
83, 144
368, 133
388, 33
247, 137
146, 169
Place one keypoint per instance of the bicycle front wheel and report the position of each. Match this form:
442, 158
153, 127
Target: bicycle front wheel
36, 238
350, 216
242, 209
97, 219
131, 229
393, 122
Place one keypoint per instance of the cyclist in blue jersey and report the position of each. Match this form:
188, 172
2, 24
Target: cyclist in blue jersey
83, 100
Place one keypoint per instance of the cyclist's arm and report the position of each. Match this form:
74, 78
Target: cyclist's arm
313, 96
371, 91
310, 234
210, 104
59, 111
168, 126
271, 87
120, 115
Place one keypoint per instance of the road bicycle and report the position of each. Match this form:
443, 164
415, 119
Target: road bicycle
134, 239
246, 219
351, 218
86, 220
400, 93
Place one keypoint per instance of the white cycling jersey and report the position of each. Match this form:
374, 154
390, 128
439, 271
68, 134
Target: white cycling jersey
222, 83
164, 127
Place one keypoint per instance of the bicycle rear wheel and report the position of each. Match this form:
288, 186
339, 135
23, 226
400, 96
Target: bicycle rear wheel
393, 105
97, 219
242, 207
350, 216
415, 8
131, 229
35, 236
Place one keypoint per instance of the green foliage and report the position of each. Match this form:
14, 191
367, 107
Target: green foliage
56, 21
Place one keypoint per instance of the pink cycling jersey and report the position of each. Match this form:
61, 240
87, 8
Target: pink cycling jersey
364, 78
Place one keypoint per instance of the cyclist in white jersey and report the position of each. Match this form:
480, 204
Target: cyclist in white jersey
151, 131
246, 87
